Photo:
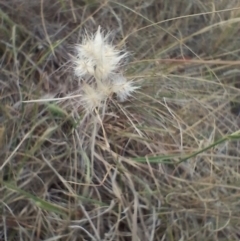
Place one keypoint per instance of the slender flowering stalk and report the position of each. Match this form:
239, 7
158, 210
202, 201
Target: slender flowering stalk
97, 65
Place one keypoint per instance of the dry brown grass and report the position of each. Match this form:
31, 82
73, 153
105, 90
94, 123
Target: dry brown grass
171, 169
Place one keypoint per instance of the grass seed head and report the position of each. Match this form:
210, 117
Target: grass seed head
122, 88
97, 57
91, 98
99, 61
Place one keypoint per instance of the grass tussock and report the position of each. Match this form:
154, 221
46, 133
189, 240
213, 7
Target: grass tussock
162, 164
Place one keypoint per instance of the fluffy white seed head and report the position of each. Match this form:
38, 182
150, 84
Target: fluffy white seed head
97, 57
122, 88
97, 64
91, 98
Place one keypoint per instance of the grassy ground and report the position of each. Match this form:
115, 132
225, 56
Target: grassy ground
161, 166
